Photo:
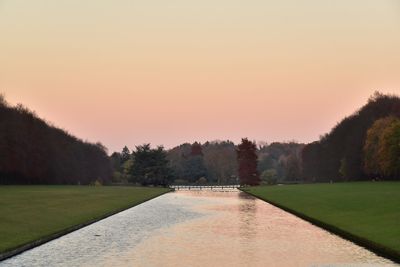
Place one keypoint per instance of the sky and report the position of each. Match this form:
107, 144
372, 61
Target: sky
167, 72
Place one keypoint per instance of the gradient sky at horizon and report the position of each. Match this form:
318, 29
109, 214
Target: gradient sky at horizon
168, 72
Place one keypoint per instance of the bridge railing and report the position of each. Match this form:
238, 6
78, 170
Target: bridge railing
204, 187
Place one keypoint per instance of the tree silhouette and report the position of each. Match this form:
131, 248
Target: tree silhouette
339, 155
126, 154
150, 166
194, 167
196, 149
247, 161
35, 152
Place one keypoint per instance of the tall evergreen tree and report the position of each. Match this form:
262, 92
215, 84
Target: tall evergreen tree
126, 154
150, 166
247, 161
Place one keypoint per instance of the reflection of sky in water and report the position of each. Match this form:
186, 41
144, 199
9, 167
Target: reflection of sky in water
199, 229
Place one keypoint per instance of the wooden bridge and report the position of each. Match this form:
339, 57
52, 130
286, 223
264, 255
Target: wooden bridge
205, 187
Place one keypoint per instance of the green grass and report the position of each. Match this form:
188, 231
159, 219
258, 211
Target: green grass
367, 210
29, 213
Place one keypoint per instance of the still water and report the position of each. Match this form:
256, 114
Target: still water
200, 228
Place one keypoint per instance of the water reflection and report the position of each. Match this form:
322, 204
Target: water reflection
248, 224
247, 216
200, 228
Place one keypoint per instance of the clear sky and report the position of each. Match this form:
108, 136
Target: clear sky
167, 72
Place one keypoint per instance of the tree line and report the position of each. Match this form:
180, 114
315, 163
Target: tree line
362, 146
34, 152
219, 162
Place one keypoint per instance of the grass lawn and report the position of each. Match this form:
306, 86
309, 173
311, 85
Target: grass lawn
367, 210
28, 213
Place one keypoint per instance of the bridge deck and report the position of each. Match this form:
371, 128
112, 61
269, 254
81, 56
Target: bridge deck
204, 187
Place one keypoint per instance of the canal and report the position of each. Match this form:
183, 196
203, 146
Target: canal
200, 228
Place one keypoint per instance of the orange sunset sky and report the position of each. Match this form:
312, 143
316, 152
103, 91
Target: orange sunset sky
167, 72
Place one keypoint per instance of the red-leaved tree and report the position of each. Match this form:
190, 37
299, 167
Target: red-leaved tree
247, 161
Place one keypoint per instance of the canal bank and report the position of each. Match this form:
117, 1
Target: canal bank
70, 192
199, 228
375, 247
